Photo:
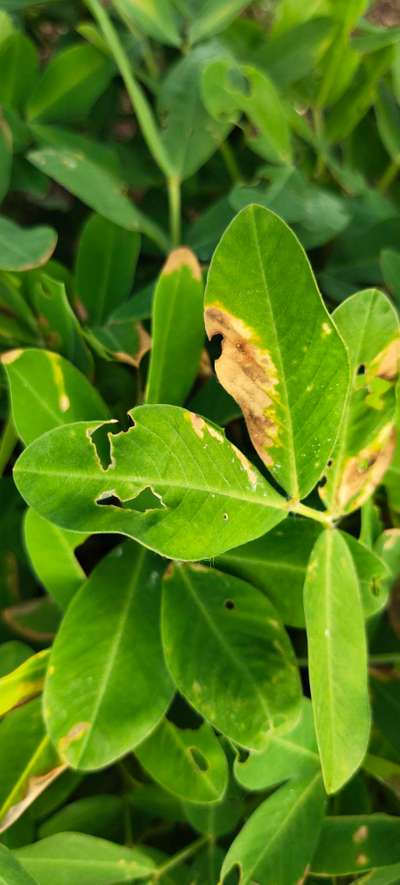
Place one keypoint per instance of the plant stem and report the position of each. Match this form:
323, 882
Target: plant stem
388, 176
140, 104
382, 660
318, 128
180, 857
174, 196
230, 162
316, 515
7, 444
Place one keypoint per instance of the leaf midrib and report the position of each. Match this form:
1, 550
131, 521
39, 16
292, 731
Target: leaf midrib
230, 652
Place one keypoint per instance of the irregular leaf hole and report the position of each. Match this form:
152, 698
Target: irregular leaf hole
361, 369
229, 604
198, 759
225, 517
102, 444
107, 499
145, 500
323, 482
330, 462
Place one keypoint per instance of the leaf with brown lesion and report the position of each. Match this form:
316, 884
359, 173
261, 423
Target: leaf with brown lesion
367, 439
248, 374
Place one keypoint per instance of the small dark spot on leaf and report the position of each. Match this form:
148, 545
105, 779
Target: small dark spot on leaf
361, 369
323, 482
229, 604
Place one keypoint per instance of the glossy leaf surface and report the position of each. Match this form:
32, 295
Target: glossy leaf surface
185, 461
281, 351
337, 659
120, 688
229, 621
177, 329
56, 391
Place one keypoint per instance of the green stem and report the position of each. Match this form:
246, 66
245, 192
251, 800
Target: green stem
318, 128
180, 857
140, 104
388, 176
174, 196
316, 515
7, 444
230, 162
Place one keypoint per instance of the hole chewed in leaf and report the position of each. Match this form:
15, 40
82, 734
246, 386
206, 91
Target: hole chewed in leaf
249, 375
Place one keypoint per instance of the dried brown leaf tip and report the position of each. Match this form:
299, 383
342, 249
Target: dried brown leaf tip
182, 257
35, 786
387, 364
248, 373
144, 345
363, 472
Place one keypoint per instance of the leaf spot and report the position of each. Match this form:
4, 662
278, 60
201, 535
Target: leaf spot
10, 356
326, 329
361, 860
248, 373
360, 835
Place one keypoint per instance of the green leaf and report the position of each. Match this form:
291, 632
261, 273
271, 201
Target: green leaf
388, 121
19, 69
390, 264
58, 324
92, 714
57, 392
105, 268
358, 97
97, 815
190, 763
29, 761
210, 498
212, 16
278, 840
59, 571
217, 819
24, 248
371, 330
288, 756
70, 84
233, 631
75, 857
121, 340
80, 174
190, 134
12, 654
337, 659
282, 358
177, 329
229, 88
355, 843
23, 683
385, 696
383, 876
11, 872
6, 149
157, 18
277, 563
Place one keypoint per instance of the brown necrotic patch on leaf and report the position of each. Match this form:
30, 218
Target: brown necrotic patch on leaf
75, 734
248, 373
35, 786
387, 363
363, 472
182, 257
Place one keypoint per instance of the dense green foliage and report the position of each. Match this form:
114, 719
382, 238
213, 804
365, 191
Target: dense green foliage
200, 474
